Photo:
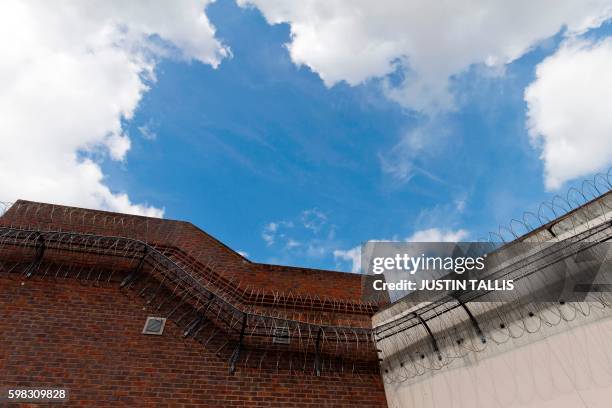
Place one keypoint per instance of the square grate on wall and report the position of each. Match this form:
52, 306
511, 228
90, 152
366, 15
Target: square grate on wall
281, 335
154, 325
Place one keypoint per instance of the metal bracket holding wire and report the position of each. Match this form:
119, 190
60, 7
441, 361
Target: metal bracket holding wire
236, 354
434, 342
40, 253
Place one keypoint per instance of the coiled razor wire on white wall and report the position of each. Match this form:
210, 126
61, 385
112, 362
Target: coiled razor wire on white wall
559, 206
416, 343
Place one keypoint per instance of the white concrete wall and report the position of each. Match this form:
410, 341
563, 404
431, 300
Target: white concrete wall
569, 369
565, 364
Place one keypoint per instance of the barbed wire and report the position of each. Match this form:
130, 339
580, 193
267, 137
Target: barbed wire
414, 340
557, 207
217, 303
205, 310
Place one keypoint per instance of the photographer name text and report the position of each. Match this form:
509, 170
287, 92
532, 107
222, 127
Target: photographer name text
445, 284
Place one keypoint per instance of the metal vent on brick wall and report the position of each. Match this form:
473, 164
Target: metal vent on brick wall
281, 335
154, 325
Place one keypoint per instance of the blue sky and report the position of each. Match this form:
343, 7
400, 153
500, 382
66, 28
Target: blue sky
265, 156
259, 140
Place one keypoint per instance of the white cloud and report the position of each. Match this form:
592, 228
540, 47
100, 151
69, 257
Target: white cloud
269, 233
313, 220
292, 243
438, 235
352, 255
310, 223
307, 235
430, 41
414, 150
569, 110
399, 161
460, 203
274, 231
70, 74
147, 132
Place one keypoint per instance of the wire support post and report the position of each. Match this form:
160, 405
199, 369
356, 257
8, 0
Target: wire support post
40, 252
434, 342
474, 322
135, 274
317, 361
236, 354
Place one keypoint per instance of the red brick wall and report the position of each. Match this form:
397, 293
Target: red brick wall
88, 339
